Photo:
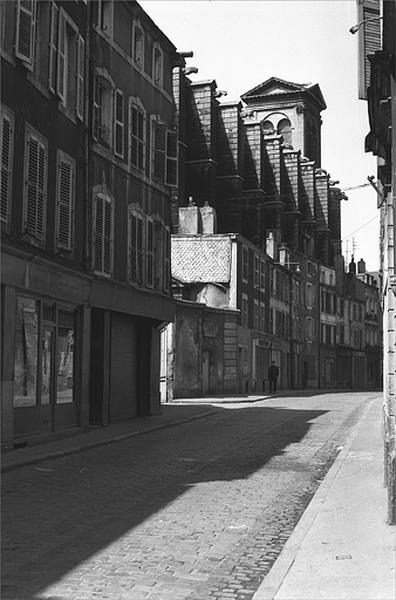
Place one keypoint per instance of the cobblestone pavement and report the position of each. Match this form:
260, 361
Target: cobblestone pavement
199, 511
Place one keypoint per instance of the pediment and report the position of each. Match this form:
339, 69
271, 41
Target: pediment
274, 86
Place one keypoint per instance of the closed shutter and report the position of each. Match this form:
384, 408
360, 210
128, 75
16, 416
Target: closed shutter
65, 198
369, 40
53, 48
103, 236
132, 247
119, 123
167, 250
171, 158
159, 141
149, 253
25, 24
80, 78
140, 250
62, 66
6, 166
36, 188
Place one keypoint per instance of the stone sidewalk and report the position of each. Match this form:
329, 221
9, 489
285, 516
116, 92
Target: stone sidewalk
342, 548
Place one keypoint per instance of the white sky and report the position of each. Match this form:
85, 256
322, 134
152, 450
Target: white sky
241, 43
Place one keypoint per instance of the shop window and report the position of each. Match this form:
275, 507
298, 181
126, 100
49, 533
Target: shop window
103, 252
35, 192
119, 123
26, 352
7, 152
65, 200
65, 357
137, 137
25, 31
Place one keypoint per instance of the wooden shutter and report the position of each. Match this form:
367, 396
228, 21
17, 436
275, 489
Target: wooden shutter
103, 235
80, 78
25, 25
140, 250
62, 58
369, 40
53, 48
65, 202
119, 123
132, 247
171, 158
167, 250
7, 138
149, 252
36, 188
159, 141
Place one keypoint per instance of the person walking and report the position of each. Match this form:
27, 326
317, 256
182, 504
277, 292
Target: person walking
273, 372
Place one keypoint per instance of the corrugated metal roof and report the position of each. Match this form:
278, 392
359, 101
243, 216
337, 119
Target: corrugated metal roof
201, 259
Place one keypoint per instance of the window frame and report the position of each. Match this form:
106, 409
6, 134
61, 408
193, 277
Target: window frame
134, 212
118, 125
27, 58
138, 60
32, 134
136, 104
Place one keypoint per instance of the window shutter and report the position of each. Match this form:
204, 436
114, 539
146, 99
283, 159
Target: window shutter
80, 78
65, 199
53, 48
99, 233
159, 141
107, 242
137, 137
119, 123
35, 202
62, 67
97, 109
132, 247
167, 250
140, 250
149, 253
6, 166
171, 158
25, 23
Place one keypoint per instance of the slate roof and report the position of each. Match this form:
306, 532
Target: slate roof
201, 258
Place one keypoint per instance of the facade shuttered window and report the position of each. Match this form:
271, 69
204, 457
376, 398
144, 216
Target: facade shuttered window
167, 255
103, 235
171, 158
62, 66
65, 201
35, 196
136, 247
80, 78
25, 30
119, 123
149, 252
7, 148
137, 121
53, 48
159, 150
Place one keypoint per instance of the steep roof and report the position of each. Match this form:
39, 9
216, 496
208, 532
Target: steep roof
274, 86
201, 258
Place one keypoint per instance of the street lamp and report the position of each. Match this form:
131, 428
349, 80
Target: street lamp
355, 28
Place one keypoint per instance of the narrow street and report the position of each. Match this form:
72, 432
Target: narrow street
197, 511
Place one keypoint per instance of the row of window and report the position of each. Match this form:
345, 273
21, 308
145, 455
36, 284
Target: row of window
35, 185
113, 117
147, 57
148, 240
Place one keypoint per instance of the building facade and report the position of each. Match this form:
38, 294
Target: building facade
88, 164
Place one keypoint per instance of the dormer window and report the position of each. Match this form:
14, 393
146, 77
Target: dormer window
158, 65
138, 45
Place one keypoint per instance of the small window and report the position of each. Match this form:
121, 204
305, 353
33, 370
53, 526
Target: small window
138, 45
25, 30
103, 254
119, 123
65, 200
158, 65
245, 264
137, 137
136, 247
7, 151
35, 193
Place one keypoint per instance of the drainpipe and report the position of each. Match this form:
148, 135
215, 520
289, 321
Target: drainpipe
87, 203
